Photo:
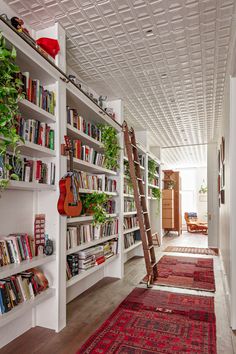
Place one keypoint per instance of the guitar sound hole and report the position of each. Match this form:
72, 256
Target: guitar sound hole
72, 204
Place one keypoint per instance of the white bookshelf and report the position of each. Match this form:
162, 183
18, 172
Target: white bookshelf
89, 167
14, 268
127, 231
130, 213
34, 150
26, 306
91, 244
90, 271
86, 139
29, 109
135, 245
86, 218
30, 186
85, 191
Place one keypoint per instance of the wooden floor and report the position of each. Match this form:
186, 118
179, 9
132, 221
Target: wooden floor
88, 311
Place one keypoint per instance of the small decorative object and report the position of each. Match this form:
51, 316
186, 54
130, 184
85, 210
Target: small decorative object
203, 189
50, 45
102, 99
48, 247
72, 78
18, 24
170, 184
39, 234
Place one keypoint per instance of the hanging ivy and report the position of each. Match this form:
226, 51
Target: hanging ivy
10, 94
95, 203
152, 170
111, 146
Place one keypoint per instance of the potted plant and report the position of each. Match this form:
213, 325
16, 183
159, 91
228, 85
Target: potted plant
156, 193
152, 170
94, 204
10, 94
170, 184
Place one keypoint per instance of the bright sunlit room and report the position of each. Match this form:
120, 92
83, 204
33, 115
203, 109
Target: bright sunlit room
117, 193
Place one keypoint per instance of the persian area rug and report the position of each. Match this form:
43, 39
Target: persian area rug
196, 250
152, 321
186, 272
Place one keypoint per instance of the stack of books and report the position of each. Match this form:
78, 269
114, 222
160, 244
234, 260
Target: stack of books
80, 123
88, 154
28, 170
35, 132
21, 287
16, 248
72, 265
130, 221
37, 94
128, 189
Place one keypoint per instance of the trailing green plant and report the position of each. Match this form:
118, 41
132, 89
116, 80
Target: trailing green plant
152, 170
10, 94
156, 193
95, 203
111, 146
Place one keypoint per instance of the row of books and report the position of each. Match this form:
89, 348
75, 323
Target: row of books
81, 234
128, 188
37, 94
28, 170
129, 205
16, 248
110, 206
153, 181
78, 122
21, 287
88, 154
131, 238
96, 182
91, 257
35, 132
130, 221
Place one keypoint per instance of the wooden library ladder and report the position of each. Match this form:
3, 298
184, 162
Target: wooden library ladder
141, 205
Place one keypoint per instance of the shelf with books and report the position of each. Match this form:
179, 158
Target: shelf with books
127, 231
90, 244
10, 269
88, 272
127, 213
136, 244
30, 186
85, 138
25, 306
31, 110
84, 191
85, 218
34, 150
89, 167
87, 108
128, 195
153, 186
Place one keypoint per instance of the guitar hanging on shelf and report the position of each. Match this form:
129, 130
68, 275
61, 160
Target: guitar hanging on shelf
69, 202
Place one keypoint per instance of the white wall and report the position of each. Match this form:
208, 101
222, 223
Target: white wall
192, 179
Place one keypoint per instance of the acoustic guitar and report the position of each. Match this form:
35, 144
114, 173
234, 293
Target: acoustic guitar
69, 202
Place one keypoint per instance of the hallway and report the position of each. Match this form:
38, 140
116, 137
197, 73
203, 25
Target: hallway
100, 301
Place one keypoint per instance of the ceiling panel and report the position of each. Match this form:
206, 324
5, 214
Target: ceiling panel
172, 80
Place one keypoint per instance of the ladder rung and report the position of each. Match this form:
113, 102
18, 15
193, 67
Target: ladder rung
148, 229
134, 146
153, 264
139, 179
145, 212
150, 247
136, 162
142, 196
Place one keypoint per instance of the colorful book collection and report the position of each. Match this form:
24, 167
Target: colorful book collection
88, 154
37, 94
20, 288
81, 234
28, 170
89, 258
16, 248
35, 132
96, 182
130, 222
129, 205
78, 122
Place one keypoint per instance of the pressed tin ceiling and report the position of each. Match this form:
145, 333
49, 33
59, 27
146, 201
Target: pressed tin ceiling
167, 59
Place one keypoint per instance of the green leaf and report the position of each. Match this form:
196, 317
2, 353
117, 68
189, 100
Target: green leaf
13, 53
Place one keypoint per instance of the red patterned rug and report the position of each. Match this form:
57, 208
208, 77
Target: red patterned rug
195, 250
151, 321
186, 272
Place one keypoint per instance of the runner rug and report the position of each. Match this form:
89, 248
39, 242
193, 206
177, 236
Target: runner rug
186, 272
196, 250
152, 321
